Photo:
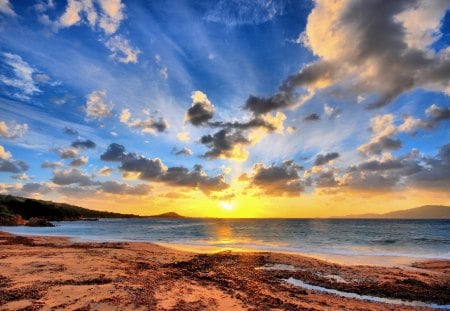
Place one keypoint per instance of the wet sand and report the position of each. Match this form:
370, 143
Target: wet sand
53, 273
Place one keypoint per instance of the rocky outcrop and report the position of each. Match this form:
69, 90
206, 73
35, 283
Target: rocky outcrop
11, 220
38, 222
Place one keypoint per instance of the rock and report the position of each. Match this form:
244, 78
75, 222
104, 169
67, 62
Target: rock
11, 220
38, 222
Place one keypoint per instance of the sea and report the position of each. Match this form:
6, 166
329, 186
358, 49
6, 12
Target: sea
363, 240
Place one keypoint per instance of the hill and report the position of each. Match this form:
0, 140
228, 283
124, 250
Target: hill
422, 212
14, 207
167, 215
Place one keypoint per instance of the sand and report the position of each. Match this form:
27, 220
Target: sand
52, 273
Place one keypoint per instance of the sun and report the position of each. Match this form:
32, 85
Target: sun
226, 206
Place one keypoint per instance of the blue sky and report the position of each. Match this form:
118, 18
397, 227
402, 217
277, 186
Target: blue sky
128, 72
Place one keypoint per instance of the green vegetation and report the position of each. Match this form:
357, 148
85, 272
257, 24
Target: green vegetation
12, 206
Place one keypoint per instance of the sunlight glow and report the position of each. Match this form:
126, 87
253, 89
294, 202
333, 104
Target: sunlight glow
227, 206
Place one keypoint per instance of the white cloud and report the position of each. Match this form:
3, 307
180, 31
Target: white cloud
12, 131
104, 14
4, 155
183, 136
96, 105
149, 125
21, 78
6, 8
122, 50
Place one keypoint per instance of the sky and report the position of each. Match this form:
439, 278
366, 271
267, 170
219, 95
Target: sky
227, 108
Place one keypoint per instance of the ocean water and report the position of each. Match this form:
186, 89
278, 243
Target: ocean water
327, 237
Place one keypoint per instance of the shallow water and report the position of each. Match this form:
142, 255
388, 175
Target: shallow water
301, 284
327, 238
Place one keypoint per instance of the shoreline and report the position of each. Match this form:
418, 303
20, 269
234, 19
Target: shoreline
57, 273
382, 260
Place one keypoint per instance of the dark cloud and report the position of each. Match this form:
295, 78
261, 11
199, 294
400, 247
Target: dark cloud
312, 117
150, 125
79, 161
438, 114
381, 144
148, 169
200, 113
13, 166
262, 105
184, 151
326, 180
354, 44
436, 172
223, 143
83, 144
115, 187
114, 153
276, 180
72, 176
324, 159
70, 131
155, 170
36, 188
51, 165
180, 176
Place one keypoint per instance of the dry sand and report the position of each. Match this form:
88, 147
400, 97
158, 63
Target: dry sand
50, 273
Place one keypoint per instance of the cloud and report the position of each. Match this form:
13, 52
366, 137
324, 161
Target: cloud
19, 78
438, 114
155, 170
226, 144
79, 161
201, 110
51, 165
114, 153
111, 16
149, 125
6, 8
121, 50
183, 136
70, 131
105, 171
324, 159
13, 166
356, 55
383, 129
13, 130
241, 12
71, 176
261, 105
233, 136
38, 188
435, 173
184, 151
21, 177
115, 187
312, 117
4, 155
83, 144
96, 105
278, 180
67, 153
106, 15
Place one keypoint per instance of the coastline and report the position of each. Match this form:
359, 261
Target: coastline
58, 273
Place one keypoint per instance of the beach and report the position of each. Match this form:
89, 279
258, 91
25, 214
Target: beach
57, 273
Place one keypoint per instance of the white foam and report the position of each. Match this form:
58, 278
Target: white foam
300, 283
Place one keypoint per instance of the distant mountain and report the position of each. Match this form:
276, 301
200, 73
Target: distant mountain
422, 212
13, 209
167, 215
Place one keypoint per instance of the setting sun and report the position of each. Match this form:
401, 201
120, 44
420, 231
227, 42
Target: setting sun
227, 206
